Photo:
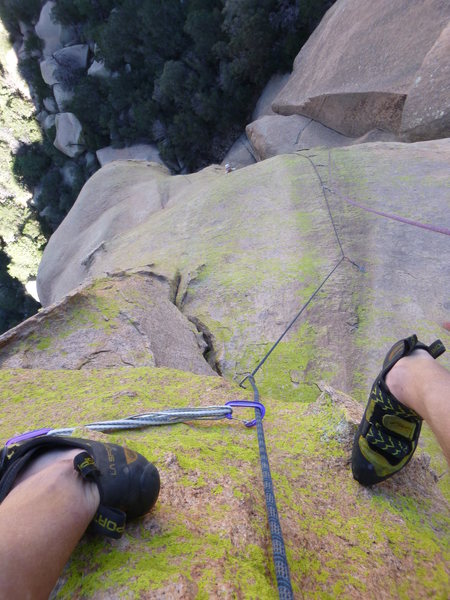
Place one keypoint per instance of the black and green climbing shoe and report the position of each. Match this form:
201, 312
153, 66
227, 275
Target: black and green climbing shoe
388, 433
127, 482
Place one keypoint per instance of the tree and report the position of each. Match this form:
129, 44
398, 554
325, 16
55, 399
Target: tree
30, 161
15, 304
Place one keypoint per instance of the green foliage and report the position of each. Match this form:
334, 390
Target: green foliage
185, 74
15, 304
55, 197
90, 104
29, 164
13, 11
30, 71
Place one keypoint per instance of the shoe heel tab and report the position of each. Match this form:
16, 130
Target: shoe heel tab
436, 348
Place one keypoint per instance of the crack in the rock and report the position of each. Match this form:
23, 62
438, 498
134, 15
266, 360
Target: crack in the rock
174, 289
209, 353
90, 358
177, 295
89, 259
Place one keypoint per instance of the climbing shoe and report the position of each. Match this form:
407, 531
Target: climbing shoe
388, 433
127, 482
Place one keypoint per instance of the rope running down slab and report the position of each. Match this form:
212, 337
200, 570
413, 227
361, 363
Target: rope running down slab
278, 548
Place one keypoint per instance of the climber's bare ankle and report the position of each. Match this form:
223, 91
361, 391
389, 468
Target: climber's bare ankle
407, 378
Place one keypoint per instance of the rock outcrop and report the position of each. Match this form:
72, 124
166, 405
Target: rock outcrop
426, 113
63, 96
73, 57
358, 68
48, 68
114, 322
98, 69
154, 285
241, 154
273, 135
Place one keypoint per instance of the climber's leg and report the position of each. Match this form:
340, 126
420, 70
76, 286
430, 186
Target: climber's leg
410, 387
420, 383
41, 521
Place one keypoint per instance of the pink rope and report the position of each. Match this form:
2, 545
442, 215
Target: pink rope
435, 228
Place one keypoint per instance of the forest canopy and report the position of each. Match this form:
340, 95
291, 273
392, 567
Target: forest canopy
185, 74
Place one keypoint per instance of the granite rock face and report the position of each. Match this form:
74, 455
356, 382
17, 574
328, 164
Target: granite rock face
155, 284
208, 535
426, 113
245, 249
357, 69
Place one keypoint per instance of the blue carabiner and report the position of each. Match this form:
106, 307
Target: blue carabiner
250, 404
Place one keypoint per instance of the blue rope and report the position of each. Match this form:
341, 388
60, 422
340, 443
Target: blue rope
278, 549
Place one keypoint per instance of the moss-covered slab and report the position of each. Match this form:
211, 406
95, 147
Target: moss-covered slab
208, 535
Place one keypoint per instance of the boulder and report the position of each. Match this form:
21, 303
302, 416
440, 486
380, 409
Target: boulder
357, 68
275, 134
49, 31
68, 135
98, 69
41, 116
75, 57
147, 152
62, 96
49, 122
50, 104
272, 135
426, 114
48, 68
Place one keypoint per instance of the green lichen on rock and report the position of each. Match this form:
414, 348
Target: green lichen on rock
208, 533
